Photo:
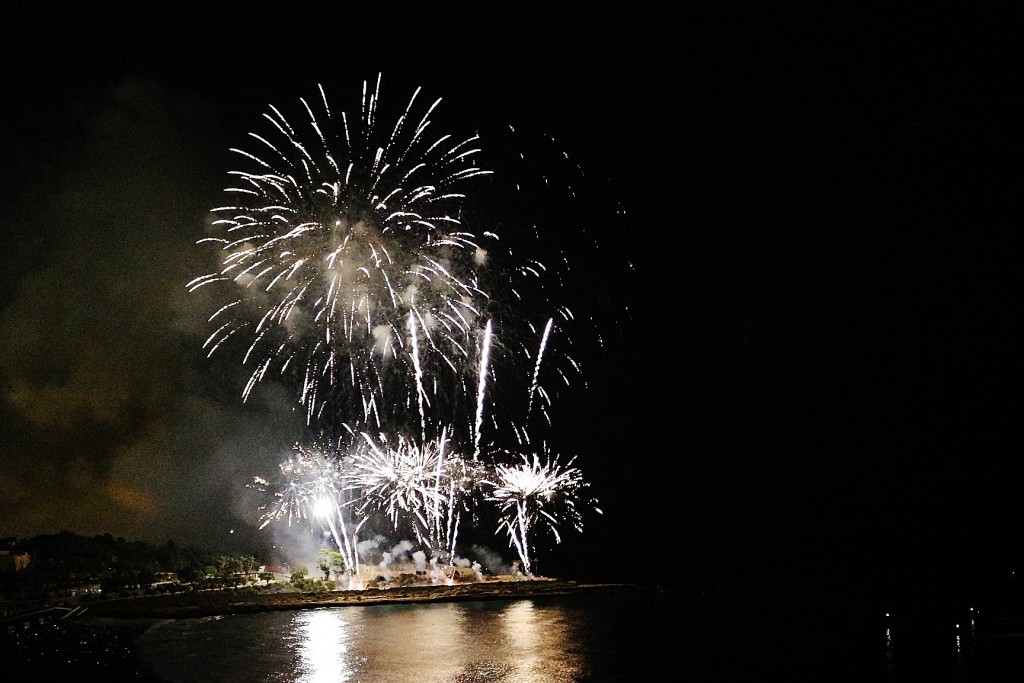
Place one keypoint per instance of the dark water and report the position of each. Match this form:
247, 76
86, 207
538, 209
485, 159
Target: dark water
659, 635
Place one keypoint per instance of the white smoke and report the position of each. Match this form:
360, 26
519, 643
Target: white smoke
420, 559
400, 551
490, 560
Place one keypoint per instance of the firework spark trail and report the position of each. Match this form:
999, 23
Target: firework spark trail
536, 367
426, 487
485, 356
420, 393
395, 478
436, 500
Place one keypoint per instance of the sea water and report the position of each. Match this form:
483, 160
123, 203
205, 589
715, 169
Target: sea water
660, 635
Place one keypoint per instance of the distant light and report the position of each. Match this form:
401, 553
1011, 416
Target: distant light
231, 531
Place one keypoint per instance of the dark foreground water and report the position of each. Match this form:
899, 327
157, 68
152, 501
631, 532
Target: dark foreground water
660, 635
647, 635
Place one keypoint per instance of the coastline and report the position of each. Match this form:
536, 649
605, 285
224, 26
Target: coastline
184, 606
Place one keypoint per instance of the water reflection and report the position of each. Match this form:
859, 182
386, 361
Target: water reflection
600, 638
888, 649
517, 642
914, 647
323, 647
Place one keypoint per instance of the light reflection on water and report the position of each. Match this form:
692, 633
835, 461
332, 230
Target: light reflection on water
511, 642
322, 646
598, 639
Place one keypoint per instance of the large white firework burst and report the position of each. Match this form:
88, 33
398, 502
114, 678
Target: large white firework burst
353, 267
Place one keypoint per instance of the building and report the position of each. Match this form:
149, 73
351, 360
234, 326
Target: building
11, 561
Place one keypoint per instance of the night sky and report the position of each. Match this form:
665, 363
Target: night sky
817, 375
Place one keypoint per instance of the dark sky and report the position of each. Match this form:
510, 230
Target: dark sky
818, 370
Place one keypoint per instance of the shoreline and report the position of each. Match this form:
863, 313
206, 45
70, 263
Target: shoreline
101, 639
185, 606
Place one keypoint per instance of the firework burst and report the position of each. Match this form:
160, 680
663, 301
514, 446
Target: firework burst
312, 489
402, 478
425, 486
362, 268
350, 264
537, 491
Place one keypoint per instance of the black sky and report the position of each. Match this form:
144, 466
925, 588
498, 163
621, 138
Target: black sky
819, 373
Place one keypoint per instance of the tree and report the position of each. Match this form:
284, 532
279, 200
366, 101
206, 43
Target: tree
324, 564
331, 559
249, 564
338, 563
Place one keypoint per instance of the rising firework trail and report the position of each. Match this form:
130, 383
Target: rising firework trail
536, 368
485, 359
